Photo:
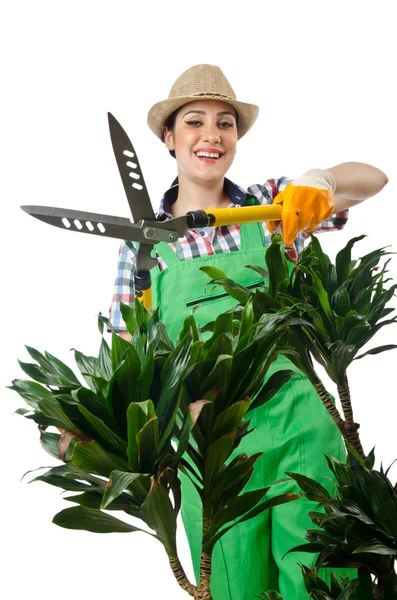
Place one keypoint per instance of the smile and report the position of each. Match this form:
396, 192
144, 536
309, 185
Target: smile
209, 157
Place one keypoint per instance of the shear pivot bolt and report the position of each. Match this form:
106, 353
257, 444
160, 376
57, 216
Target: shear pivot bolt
173, 237
149, 233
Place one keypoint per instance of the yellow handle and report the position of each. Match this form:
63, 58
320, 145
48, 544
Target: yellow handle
145, 298
245, 214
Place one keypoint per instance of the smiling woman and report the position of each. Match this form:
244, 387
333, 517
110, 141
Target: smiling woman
200, 124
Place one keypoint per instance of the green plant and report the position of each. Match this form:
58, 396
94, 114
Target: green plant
340, 308
358, 526
114, 433
340, 588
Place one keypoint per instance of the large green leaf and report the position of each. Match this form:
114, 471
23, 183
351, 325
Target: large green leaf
148, 439
36, 373
311, 488
137, 417
63, 371
147, 373
191, 416
129, 316
216, 456
314, 583
271, 387
375, 546
236, 508
53, 410
63, 482
87, 366
127, 375
92, 499
172, 373
92, 458
41, 360
118, 482
229, 419
104, 364
260, 270
105, 433
257, 510
322, 267
31, 391
340, 301
247, 318
159, 515
343, 259
119, 347
377, 350
218, 378
278, 269
239, 469
96, 521
322, 297
50, 442
235, 290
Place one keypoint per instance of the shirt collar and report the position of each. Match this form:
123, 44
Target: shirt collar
236, 194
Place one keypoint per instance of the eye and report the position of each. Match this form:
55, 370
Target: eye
193, 123
226, 124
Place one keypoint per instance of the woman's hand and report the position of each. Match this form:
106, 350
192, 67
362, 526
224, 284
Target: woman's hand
306, 201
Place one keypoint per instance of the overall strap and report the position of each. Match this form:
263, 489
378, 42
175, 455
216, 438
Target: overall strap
166, 253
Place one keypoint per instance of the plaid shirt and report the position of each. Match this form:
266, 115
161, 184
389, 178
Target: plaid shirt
205, 241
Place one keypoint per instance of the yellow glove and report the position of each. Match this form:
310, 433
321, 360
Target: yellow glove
306, 201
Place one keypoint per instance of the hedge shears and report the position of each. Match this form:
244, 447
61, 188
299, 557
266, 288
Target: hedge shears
144, 228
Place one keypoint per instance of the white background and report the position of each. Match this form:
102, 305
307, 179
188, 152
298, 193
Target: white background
323, 74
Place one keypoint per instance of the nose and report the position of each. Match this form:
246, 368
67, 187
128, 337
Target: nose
211, 134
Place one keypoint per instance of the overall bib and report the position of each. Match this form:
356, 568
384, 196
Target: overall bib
293, 431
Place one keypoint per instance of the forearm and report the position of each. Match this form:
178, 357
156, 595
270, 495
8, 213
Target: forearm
125, 335
355, 182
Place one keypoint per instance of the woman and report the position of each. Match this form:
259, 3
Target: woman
200, 124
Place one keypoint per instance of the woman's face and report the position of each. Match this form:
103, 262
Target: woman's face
204, 126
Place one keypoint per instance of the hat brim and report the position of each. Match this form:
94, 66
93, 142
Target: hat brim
160, 112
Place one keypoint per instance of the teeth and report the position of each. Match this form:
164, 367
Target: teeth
208, 154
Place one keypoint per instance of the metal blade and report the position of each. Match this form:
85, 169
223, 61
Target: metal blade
144, 232
130, 172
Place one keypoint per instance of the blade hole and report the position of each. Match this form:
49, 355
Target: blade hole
128, 153
89, 225
134, 175
131, 164
66, 222
137, 186
78, 224
101, 227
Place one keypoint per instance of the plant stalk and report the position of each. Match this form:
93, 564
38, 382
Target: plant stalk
351, 428
330, 406
180, 575
202, 591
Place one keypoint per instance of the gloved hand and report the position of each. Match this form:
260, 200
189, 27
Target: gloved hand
306, 201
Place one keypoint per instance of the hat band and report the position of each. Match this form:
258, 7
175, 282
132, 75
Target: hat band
213, 95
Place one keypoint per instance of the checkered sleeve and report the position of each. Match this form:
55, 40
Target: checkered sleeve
124, 290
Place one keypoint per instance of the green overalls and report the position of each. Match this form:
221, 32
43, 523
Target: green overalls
293, 431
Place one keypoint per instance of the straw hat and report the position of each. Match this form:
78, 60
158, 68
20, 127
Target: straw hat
201, 82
